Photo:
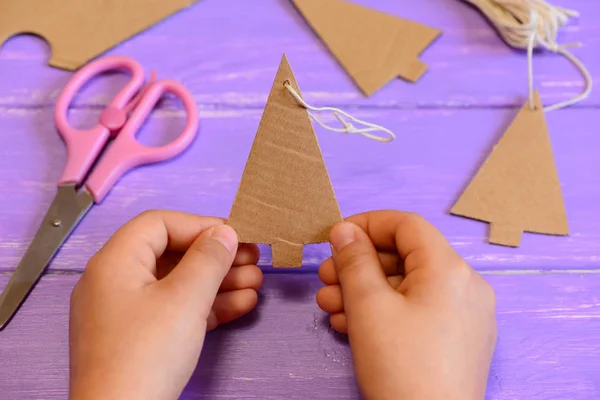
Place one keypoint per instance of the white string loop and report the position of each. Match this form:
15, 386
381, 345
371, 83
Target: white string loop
529, 24
345, 119
553, 46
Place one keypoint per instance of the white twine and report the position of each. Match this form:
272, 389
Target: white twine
529, 24
345, 119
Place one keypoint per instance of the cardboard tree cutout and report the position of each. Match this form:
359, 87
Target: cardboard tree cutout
78, 30
372, 46
285, 197
517, 189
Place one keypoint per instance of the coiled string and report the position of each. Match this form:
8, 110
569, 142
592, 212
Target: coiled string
529, 24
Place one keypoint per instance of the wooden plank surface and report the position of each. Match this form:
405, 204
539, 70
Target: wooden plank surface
549, 329
226, 52
232, 49
424, 171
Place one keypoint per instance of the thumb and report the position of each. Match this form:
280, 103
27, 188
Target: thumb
203, 267
357, 264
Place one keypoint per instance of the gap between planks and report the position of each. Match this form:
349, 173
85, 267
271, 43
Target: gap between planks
297, 272
5, 108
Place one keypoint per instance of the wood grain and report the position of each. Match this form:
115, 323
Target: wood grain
436, 153
549, 329
227, 53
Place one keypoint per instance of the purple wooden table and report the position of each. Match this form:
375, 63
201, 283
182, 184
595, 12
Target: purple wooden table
227, 52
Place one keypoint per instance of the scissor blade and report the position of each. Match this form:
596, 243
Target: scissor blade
64, 214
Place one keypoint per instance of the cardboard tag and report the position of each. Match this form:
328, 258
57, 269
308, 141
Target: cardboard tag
373, 47
517, 190
77, 30
285, 197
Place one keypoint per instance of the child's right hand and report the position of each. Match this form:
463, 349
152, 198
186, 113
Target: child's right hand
420, 320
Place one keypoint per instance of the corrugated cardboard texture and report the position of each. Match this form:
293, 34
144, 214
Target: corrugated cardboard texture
517, 190
373, 47
285, 197
79, 30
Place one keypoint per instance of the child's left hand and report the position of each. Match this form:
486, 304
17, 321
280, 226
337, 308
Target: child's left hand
141, 309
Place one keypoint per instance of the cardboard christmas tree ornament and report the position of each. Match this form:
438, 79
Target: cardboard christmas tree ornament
285, 198
80, 30
372, 46
517, 189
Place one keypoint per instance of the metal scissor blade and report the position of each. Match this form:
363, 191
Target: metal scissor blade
64, 214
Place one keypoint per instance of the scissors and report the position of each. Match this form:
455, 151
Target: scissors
89, 156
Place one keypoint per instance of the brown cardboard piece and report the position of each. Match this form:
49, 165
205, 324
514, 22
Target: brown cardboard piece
517, 189
372, 46
78, 30
285, 197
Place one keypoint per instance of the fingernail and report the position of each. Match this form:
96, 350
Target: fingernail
226, 236
342, 235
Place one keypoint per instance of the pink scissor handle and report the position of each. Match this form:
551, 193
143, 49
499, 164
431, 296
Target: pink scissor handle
126, 152
84, 146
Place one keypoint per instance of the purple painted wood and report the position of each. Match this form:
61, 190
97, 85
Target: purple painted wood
226, 53
434, 157
232, 49
549, 327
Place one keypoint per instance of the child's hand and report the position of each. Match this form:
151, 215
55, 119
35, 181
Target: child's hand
141, 309
421, 322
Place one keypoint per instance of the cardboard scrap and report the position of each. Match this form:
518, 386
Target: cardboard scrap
77, 30
517, 190
285, 198
372, 46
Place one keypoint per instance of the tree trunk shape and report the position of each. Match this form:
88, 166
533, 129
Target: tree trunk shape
372, 46
517, 189
285, 197
286, 254
505, 235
